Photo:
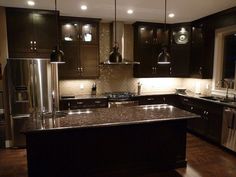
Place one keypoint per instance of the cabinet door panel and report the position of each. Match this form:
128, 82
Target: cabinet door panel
19, 31
45, 27
89, 61
89, 33
145, 35
163, 70
214, 126
180, 60
71, 54
146, 64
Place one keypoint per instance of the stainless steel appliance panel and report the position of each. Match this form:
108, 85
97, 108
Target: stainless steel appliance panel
122, 104
28, 85
29, 89
228, 138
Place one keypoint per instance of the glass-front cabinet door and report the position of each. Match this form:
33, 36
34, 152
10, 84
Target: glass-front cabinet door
89, 33
70, 32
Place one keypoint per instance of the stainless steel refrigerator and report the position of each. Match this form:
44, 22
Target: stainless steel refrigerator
29, 91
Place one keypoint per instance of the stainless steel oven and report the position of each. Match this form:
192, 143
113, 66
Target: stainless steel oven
121, 99
122, 104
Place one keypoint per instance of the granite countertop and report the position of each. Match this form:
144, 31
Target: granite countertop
103, 117
86, 96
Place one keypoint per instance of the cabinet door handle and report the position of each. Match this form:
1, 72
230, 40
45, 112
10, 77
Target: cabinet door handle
31, 48
170, 70
164, 99
31, 42
34, 42
35, 48
82, 69
78, 69
153, 70
191, 108
80, 102
185, 99
200, 70
68, 105
150, 99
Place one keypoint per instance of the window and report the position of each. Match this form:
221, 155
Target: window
225, 58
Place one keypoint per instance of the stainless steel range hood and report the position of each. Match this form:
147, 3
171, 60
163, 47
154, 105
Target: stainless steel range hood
120, 40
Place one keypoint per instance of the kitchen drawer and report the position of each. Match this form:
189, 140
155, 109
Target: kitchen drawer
156, 99
83, 103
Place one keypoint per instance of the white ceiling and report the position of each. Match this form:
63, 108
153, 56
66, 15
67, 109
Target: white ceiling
144, 10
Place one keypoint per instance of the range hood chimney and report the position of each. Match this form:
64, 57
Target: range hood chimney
119, 41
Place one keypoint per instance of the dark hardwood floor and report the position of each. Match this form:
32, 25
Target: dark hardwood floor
204, 160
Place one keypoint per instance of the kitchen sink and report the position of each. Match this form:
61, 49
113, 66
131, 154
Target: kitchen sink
219, 99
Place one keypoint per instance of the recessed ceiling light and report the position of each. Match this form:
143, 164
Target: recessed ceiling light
83, 7
130, 11
68, 25
31, 3
171, 15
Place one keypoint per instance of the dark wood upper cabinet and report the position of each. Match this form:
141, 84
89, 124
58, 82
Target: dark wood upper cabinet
148, 41
180, 49
203, 41
31, 33
202, 49
80, 43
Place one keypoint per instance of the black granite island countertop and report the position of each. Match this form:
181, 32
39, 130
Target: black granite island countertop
105, 141
104, 117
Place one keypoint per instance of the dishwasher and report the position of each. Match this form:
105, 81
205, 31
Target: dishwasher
228, 136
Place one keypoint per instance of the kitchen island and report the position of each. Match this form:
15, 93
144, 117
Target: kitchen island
99, 142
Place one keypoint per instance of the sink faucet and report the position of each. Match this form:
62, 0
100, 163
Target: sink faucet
227, 83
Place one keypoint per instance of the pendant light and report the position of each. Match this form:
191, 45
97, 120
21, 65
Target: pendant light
57, 55
115, 56
164, 56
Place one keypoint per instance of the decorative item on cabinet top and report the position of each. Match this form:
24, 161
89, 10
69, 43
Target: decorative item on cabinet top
181, 37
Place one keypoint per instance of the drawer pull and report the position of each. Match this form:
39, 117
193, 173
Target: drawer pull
80, 102
150, 99
97, 102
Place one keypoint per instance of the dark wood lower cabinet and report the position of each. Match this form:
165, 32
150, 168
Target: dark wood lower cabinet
209, 125
70, 104
157, 99
86, 152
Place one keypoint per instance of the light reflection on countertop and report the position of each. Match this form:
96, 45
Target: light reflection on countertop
103, 117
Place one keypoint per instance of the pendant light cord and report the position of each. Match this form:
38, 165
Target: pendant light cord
115, 25
56, 22
165, 13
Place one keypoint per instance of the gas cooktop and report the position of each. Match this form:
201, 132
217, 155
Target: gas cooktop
119, 96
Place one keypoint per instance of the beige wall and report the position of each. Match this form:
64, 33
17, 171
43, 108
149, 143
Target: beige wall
3, 38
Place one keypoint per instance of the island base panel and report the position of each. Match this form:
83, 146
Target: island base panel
105, 150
